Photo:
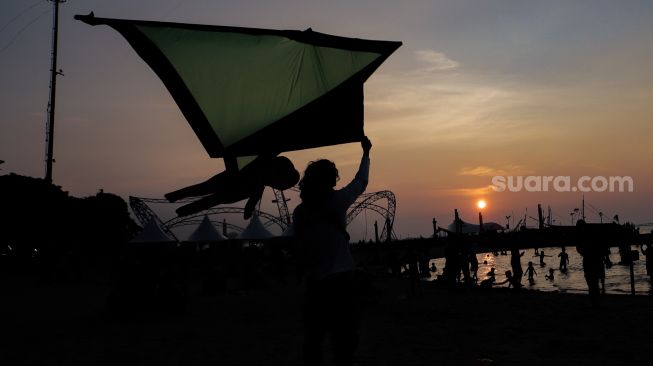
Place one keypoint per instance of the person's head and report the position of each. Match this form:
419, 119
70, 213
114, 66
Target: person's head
319, 179
551, 270
530, 264
281, 173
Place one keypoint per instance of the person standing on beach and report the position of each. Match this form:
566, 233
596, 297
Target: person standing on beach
320, 226
530, 271
433, 269
515, 263
593, 267
542, 255
648, 254
564, 260
510, 280
490, 280
473, 266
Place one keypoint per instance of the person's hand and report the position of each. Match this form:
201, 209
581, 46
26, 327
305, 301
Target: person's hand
366, 144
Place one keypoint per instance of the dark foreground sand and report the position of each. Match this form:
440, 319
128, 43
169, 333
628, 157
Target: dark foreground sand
67, 325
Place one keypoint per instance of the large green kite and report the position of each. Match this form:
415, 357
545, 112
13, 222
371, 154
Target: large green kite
250, 92
247, 91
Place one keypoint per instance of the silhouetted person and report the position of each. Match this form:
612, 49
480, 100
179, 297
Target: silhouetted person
423, 255
473, 266
541, 255
463, 257
593, 268
648, 254
490, 280
236, 185
433, 269
510, 280
530, 271
320, 220
413, 273
515, 263
606, 258
564, 260
550, 276
451, 270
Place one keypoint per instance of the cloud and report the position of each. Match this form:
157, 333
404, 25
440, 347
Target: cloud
467, 192
436, 61
481, 171
486, 171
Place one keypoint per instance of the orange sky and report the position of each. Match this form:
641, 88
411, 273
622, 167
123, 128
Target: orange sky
477, 90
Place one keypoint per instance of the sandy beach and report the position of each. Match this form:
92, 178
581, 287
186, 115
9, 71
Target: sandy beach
68, 325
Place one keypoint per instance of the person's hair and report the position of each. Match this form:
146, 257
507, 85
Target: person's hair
318, 181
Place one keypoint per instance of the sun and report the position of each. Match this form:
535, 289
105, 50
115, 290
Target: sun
481, 204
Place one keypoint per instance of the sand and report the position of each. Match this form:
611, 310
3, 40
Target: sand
68, 325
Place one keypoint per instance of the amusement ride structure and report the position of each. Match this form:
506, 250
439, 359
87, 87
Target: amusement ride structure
382, 202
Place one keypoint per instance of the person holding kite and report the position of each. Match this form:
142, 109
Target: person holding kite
319, 221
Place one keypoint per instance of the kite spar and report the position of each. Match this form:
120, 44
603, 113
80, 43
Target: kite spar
258, 92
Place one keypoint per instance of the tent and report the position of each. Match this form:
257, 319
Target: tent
289, 232
255, 230
152, 234
205, 232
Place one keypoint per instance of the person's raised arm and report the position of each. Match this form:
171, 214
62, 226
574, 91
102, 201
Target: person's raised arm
364, 169
357, 186
366, 144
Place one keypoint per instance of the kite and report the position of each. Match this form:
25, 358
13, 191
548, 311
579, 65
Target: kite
250, 94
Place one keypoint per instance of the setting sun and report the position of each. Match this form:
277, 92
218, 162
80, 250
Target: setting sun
481, 204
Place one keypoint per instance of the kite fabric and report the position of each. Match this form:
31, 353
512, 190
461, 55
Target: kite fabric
247, 91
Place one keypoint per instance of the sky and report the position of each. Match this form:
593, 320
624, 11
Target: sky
479, 89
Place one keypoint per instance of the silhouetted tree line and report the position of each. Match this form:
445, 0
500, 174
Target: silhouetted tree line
46, 232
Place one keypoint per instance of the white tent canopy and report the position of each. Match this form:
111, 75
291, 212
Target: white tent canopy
289, 232
255, 230
152, 233
205, 232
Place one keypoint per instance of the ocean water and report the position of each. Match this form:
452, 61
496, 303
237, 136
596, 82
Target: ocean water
617, 278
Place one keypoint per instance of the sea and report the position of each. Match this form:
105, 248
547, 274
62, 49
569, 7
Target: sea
617, 277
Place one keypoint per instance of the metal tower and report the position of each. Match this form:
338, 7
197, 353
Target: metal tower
49, 137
